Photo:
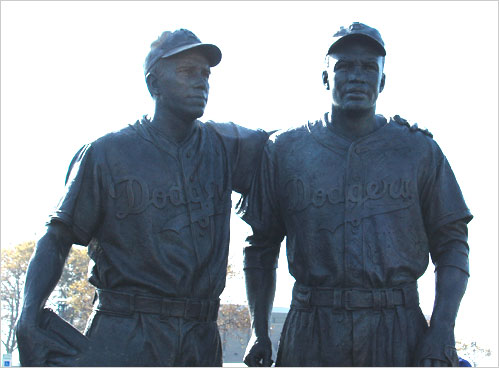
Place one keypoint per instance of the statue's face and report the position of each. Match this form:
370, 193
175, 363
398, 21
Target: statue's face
182, 84
355, 74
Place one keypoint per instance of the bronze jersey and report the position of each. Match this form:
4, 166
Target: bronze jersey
355, 213
155, 214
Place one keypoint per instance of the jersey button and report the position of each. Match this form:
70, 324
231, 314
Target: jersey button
191, 178
188, 155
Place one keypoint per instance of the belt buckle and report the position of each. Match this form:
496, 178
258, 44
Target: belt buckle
189, 306
390, 301
169, 308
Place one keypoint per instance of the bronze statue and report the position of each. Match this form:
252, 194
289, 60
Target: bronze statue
152, 202
362, 202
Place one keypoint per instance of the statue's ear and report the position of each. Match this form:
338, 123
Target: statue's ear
382, 84
325, 79
152, 84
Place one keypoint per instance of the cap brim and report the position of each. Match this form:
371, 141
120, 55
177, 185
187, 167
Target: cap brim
343, 39
212, 52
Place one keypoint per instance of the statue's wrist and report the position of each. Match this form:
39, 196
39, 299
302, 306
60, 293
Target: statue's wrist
442, 323
30, 316
261, 335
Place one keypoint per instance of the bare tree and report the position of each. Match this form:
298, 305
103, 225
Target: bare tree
14, 264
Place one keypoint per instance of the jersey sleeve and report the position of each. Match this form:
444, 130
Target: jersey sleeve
441, 197
80, 206
244, 148
261, 211
449, 246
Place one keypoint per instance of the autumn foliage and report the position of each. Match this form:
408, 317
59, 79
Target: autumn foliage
72, 298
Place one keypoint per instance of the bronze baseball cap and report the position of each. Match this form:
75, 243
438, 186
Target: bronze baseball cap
357, 30
172, 43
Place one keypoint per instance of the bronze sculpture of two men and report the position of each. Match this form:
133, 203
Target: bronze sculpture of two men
362, 201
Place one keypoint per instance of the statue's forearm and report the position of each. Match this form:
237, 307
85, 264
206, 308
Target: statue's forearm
451, 284
44, 271
260, 289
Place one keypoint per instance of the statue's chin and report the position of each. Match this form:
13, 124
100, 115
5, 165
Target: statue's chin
354, 111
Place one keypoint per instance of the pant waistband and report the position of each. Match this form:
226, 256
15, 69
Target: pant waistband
126, 304
355, 298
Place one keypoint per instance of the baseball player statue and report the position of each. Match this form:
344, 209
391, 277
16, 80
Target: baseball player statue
152, 203
363, 202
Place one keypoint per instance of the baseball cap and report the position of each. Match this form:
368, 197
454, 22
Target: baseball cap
172, 43
357, 29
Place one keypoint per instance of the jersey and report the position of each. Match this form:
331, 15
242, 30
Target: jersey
155, 214
355, 214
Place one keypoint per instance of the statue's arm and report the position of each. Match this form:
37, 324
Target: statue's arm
260, 276
451, 284
451, 278
261, 212
44, 271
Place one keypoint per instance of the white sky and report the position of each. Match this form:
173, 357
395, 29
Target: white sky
72, 71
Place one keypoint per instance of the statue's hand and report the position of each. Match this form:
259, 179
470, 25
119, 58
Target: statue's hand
437, 348
258, 352
36, 346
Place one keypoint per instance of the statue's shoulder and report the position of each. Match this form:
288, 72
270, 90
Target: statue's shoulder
411, 128
123, 137
289, 135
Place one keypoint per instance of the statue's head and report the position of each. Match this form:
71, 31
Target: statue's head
177, 70
354, 67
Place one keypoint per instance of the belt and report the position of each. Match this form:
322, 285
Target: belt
126, 304
354, 298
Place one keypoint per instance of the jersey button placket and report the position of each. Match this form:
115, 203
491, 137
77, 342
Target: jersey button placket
353, 215
185, 167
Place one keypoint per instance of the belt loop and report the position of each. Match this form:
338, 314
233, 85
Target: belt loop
337, 293
346, 299
163, 313
209, 310
132, 304
212, 311
376, 293
216, 308
203, 311
309, 298
389, 298
186, 309
410, 294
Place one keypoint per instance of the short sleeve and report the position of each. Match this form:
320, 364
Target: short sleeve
250, 147
244, 147
441, 197
80, 206
449, 246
